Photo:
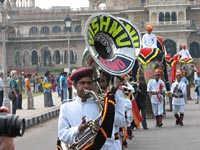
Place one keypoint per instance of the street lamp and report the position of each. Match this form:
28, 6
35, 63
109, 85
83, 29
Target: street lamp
68, 22
6, 101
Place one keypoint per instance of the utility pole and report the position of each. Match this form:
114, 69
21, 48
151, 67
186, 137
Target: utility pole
6, 101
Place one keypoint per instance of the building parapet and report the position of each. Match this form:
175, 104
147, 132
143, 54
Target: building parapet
169, 2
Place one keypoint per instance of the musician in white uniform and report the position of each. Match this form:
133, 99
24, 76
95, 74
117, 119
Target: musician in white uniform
197, 85
75, 114
179, 93
114, 143
184, 53
156, 88
149, 40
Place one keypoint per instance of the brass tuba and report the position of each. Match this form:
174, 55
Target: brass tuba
110, 44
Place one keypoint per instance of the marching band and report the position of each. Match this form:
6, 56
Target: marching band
82, 123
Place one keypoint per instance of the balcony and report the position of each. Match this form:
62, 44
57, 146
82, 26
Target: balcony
170, 25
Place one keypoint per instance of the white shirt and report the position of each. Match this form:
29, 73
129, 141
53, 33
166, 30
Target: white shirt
197, 80
182, 86
153, 86
1, 84
184, 54
70, 117
149, 40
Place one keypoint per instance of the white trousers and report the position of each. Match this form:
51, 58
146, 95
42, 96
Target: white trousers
157, 109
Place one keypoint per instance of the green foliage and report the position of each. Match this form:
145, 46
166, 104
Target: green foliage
57, 69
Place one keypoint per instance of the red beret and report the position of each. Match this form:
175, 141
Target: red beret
80, 73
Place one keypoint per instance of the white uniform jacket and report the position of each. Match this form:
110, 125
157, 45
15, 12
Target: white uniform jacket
70, 117
149, 40
184, 54
176, 100
153, 86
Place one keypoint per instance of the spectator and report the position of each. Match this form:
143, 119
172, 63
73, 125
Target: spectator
30, 100
19, 82
69, 86
58, 84
47, 89
14, 87
63, 86
37, 84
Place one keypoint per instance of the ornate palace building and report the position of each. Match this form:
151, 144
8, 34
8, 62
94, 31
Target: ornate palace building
37, 39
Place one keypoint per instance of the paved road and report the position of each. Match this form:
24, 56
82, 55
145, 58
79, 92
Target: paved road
169, 137
40, 137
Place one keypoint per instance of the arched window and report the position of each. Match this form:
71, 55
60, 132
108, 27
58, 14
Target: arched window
73, 58
45, 59
45, 30
78, 28
170, 47
56, 29
174, 17
33, 31
57, 57
161, 16
193, 24
195, 50
34, 57
18, 59
167, 16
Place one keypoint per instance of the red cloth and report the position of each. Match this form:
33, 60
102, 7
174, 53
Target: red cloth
69, 83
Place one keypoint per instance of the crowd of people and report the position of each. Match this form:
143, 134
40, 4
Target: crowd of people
22, 83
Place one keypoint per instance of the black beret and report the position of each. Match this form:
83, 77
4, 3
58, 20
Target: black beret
81, 72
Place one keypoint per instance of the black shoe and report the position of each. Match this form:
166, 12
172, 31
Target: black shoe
160, 124
181, 124
146, 128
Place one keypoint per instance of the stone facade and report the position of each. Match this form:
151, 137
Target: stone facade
37, 38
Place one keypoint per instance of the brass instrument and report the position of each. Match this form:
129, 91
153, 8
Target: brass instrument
88, 135
111, 48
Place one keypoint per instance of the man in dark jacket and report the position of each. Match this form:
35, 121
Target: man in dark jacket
141, 95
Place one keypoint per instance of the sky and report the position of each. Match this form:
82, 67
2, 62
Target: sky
72, 3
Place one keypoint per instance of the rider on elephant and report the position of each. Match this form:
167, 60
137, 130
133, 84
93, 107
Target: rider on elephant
149, 40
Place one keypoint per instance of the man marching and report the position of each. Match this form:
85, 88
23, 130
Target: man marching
178, 91
156, 88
